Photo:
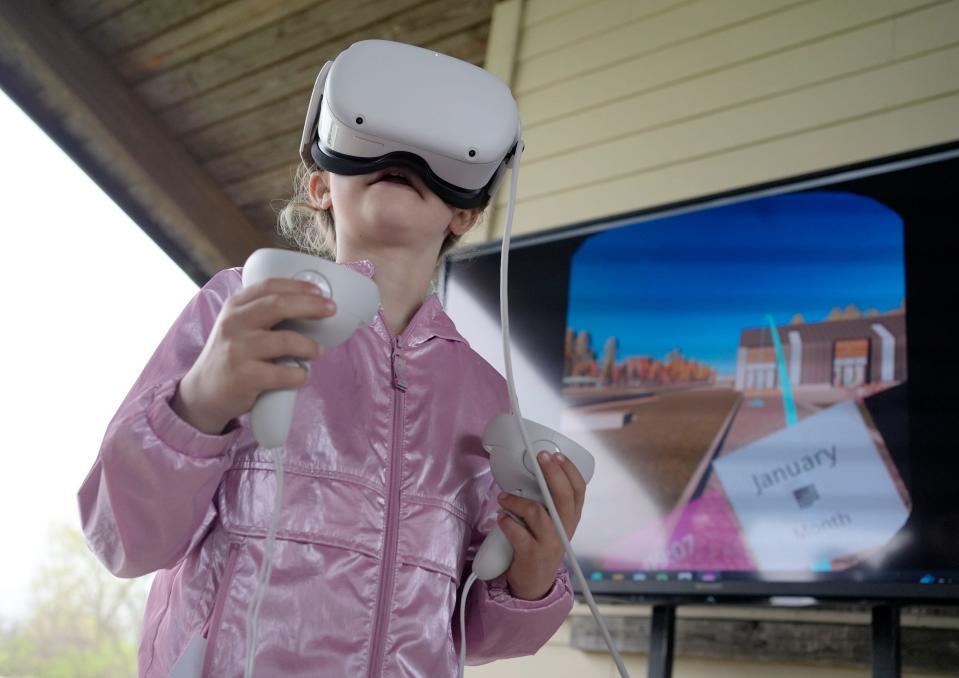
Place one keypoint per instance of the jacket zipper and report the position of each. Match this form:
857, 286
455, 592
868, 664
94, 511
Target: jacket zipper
398, 382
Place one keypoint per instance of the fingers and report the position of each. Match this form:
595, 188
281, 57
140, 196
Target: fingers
576, 481
262, 349
538, 523
568, 489
266, 311
271, 344
518, 535
561, 490
537, 540
263, 305
274, 286
270, 376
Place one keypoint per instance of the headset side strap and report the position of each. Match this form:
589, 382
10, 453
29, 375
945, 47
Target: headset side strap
313, 115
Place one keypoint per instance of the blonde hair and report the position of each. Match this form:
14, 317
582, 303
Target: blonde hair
311, 228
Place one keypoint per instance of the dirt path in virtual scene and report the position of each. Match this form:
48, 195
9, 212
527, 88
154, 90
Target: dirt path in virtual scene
667, 437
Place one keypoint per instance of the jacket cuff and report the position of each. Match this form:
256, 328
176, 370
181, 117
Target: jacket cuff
498, 591
181, 436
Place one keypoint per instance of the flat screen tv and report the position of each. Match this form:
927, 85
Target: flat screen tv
765, 378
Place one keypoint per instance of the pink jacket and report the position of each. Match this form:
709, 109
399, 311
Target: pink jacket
387, 496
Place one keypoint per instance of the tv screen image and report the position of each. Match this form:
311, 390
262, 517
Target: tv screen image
728, 378
750, 374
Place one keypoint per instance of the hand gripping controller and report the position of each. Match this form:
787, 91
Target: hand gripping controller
512, 468
357, 300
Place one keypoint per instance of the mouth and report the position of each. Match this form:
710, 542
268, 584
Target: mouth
397, 176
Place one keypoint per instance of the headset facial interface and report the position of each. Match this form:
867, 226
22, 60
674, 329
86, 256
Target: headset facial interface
381, 104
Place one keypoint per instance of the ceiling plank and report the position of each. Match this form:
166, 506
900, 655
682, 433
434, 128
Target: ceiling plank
82, 104
293, 35
86, 13
202, 35
263, 122
143, 21
273, 184
422, 25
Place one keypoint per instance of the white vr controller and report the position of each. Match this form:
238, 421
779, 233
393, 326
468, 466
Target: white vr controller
512, 468
357, 300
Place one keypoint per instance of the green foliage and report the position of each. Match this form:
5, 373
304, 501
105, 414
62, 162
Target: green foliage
82, 623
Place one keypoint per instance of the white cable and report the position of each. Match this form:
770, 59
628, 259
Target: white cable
266, 567
466, 590
544, 489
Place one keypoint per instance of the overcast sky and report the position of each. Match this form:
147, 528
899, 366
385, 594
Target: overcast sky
88, 296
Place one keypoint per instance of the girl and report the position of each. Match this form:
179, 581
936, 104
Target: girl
388, 490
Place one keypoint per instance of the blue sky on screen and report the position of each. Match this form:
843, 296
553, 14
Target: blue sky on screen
694, 281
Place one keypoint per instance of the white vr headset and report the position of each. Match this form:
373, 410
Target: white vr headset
380, 104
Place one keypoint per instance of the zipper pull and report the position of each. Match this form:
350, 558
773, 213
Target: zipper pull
399, 366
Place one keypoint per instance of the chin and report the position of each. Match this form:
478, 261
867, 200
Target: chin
409, 215
392, 228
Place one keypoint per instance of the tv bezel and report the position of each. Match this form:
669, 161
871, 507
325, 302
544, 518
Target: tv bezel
753, 590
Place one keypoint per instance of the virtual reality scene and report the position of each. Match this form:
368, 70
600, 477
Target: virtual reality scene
729, 379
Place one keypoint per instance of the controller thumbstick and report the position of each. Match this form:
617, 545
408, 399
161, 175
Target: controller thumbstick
316, 278
538, 446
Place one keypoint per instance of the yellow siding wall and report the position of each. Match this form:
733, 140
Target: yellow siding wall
628, 104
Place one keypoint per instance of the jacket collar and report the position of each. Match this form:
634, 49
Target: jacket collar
430, 319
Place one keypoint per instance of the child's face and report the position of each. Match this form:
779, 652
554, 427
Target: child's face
370, 210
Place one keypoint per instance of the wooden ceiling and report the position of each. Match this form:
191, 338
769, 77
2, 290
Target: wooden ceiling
189, 112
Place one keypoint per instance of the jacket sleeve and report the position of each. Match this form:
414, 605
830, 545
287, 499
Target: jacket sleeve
149, 497
498, 625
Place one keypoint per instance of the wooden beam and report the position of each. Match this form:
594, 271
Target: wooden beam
74, 95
